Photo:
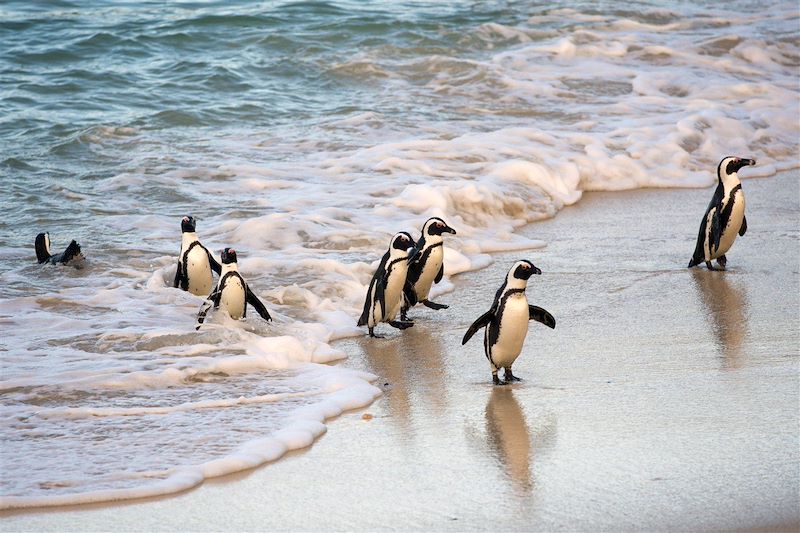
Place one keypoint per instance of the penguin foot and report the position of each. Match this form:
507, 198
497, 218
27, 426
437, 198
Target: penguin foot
711, 267
722, 261
496, 380
511, 377
401, 324
373, 335
434, 305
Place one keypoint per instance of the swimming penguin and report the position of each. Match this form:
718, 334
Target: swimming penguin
232, 293
71, 256
427, 268
506, 322
385, 293
195, 262
724, 217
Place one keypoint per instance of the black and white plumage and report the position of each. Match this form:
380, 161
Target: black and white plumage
71, 256
428, 267
232, 293
385, 294
195, 262
506, 322
724, 218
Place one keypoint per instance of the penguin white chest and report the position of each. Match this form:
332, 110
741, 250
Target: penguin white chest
198, 270
513, 329
232, 299
394, 290
432, 266
734, 223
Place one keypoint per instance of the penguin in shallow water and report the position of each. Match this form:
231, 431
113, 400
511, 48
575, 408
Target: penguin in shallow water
232, 293
71, 256
195, 262
385, 294
724, 217
427, 268
506, 322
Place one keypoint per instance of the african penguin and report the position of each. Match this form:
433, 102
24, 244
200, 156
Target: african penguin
428, 267
195, 262
71, 256
232, 293
724, 217
506, 322
385, 293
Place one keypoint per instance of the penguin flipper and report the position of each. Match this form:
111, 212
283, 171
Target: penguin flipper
410, 293
215, 266
440, 275
253, 300
375, 292
178, 276
481, 322
211, 301
716, 232
743, 229
542, 316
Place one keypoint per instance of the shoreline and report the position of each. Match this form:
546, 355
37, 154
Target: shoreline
445, 450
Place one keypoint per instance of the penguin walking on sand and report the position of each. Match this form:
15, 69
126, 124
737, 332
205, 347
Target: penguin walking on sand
427, 268
724, 217
71, 256
385, 294
232, 293
195, 262
506, 322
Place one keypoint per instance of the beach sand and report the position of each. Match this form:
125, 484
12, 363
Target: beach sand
665, 399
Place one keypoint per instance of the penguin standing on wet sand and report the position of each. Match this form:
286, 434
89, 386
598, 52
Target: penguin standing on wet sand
195, 262
232, 293
385, 294
427, 268
724, 217
506, 322
71, 256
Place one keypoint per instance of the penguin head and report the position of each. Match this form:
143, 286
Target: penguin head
404, 242
524, 269
730, 165
42, 245
228, 256
436, 226
188, 224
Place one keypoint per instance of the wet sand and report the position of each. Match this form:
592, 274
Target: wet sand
665, 399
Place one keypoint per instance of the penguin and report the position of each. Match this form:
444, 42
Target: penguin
232, 293
506, 322
195, 262
71, 256
427, 268
724, 217
385, 294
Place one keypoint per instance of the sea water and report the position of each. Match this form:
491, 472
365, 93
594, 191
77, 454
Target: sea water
304, 134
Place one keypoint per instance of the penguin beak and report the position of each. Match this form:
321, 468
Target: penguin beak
749, 162
448, 229
537, 271
413, 252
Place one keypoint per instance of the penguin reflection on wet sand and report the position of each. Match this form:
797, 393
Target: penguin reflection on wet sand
195, 262
72, 256
724, 216
506, 322
232, 293
385, 294
427, 268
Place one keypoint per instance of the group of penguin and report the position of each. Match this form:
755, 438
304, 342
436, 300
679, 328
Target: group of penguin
409, 268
